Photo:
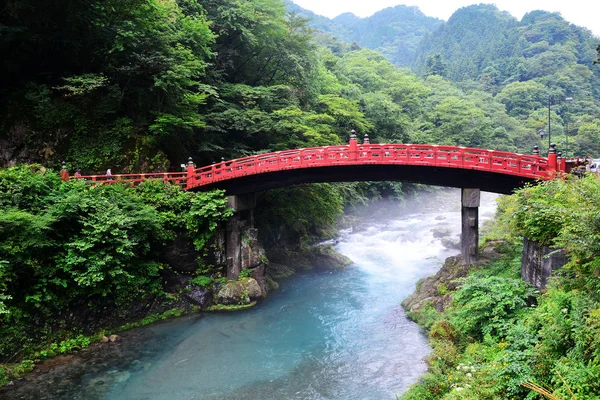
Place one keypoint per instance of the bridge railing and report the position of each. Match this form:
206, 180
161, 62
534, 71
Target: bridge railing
529, 166
399, 154
176, 178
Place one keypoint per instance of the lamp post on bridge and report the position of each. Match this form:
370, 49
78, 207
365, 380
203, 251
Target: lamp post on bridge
542, 132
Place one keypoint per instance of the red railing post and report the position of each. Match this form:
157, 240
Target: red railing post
64, 173
191, 174
353, 146
552, 159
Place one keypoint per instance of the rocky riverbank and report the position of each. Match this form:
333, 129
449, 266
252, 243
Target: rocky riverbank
434, 293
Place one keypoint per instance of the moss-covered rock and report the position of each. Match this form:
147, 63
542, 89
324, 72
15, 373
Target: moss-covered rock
326, 257
244, 291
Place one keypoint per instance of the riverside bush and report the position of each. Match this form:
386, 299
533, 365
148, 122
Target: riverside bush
69, 246
513, 335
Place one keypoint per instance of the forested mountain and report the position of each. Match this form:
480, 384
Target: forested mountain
143, 85
395, 32
523, 65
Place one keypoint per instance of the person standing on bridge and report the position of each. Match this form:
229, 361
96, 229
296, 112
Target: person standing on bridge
78, 173
108, 175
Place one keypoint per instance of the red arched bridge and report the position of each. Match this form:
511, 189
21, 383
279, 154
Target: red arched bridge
467, 168
488, 170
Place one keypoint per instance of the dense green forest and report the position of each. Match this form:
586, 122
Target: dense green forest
142, 85
500, 334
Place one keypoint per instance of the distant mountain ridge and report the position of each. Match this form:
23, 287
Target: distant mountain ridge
479, 42
395, 32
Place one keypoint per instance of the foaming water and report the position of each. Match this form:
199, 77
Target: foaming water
326, 335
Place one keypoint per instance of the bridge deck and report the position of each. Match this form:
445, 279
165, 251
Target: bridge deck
357, 162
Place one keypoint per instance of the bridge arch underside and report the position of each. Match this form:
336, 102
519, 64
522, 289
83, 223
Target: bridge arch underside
438, 176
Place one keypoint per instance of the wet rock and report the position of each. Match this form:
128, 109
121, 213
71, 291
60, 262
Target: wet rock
243, 291
258, 273
441, 231
181, 255
451, 242
279, 271
326, 257
104, 339
122, 376
199, 296
284, 263
252, 252
114, 338
436, 289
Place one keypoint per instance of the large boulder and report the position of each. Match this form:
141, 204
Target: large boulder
326, 257
244, 291
199, 296
441, 231
319, 257
451, 242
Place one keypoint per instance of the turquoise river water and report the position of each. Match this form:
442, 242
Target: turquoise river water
323, 335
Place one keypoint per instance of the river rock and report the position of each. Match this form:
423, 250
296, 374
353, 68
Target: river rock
279, 271
114, 338
441, 231
451, 242
104, 339
199, 296
326, 257
244, 291
436, 289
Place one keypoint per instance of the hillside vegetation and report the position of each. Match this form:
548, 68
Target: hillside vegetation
521, 65
500, 338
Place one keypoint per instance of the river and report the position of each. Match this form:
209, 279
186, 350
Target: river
323, 335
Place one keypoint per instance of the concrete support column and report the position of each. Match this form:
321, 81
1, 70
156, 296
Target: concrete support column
470, 200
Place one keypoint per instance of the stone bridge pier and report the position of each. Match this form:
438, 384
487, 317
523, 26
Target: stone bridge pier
241, 220
469, 239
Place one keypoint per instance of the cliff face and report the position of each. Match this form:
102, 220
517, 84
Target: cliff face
538, 262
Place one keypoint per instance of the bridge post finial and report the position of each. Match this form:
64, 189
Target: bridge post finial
191, 173
561, 162
366, 139
64, 173
353, 146
536, 150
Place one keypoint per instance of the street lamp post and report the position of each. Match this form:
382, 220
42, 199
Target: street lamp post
542, 132
549, 126
568, 100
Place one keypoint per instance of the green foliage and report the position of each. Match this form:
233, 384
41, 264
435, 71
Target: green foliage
70, 244
230, 308
202, 281
150, 319
245, 273
77, 343
511, 335
488, 305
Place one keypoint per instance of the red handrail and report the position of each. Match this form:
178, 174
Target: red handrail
526, 166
